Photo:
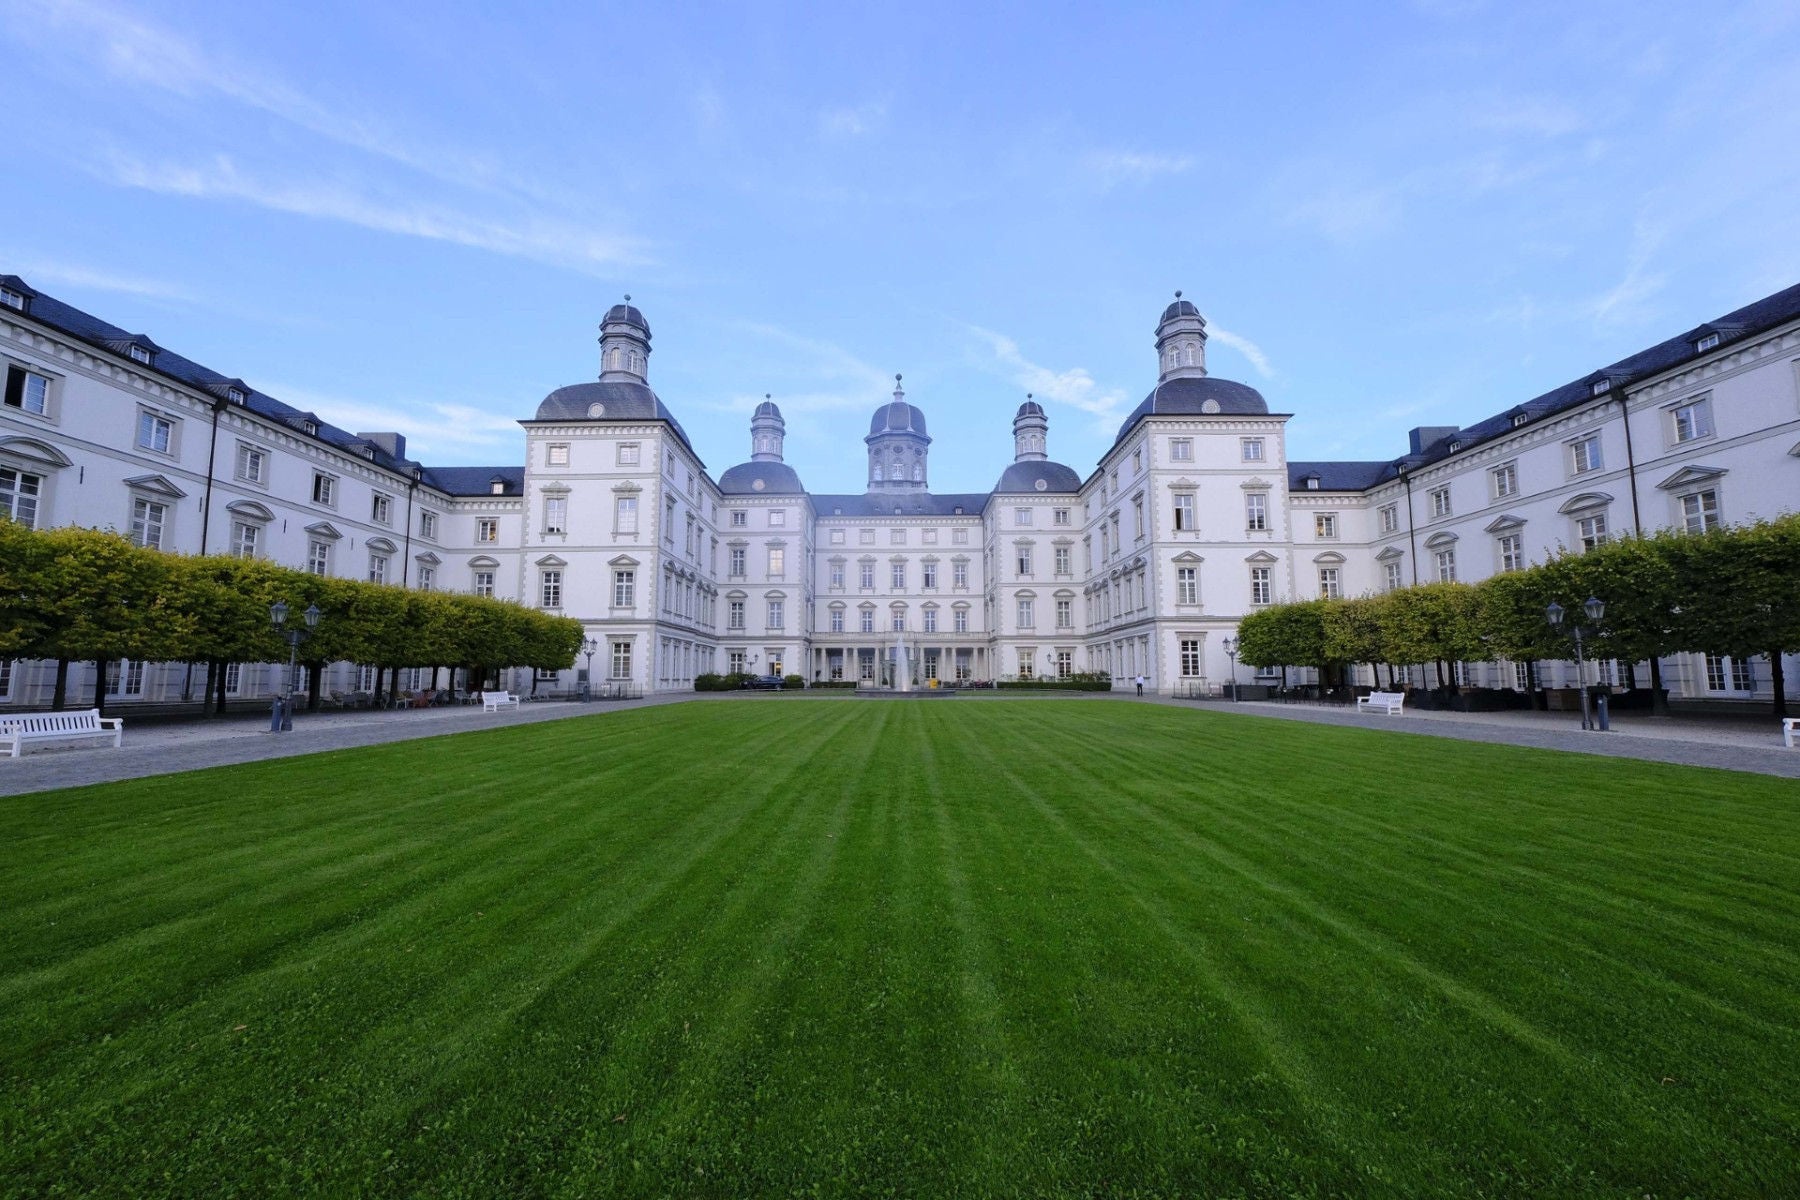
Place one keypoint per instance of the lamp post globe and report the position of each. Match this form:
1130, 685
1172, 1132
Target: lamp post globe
1231, 649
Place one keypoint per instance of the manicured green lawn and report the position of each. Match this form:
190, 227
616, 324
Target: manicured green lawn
963, 947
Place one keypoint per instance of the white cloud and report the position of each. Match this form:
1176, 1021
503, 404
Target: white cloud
556, 242
848, 122
1073, 386
1348, 214
1110, 168
433, 429
1245, 347
103, 281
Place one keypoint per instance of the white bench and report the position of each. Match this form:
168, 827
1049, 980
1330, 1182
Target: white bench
1789, 727
1388, 702
17, 730
493, 701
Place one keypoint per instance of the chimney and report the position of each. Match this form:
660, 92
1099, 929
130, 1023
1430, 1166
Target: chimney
394, 444
1426, 436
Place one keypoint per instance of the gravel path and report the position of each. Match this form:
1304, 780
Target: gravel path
1729, 743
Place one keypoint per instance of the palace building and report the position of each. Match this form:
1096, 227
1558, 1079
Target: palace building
1193, 516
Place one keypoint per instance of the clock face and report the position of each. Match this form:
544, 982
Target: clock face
596, 409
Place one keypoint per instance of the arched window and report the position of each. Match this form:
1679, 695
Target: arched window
877, 472
918, 472
1188, 354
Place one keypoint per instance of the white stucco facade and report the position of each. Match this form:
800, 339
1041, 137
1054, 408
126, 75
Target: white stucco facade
1193, 517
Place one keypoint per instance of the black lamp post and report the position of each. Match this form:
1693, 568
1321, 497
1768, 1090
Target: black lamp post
1231, 649
281, 717
1595, 609
587, 685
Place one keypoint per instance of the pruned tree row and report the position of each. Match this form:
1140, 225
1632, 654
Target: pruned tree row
1732, 592
81, 595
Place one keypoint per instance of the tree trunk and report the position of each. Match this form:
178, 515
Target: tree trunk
315, 674
434, 678
1659, 700
100, 684
1778, 679
59, 696
1440, 672
219, 688
380, 678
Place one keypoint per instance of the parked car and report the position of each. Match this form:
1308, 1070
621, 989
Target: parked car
764, 683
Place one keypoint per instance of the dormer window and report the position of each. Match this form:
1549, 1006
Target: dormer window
310, 428
496, 487
1312, 483
1601, 387
12, 299
235, 395
1455, 446
139, 354
1709, 342
1519, 419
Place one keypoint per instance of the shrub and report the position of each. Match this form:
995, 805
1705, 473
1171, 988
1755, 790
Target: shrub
793, 682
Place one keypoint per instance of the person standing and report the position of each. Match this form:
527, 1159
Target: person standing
1140, 683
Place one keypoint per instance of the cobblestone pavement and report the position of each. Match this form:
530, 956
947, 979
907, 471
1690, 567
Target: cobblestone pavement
1731, 743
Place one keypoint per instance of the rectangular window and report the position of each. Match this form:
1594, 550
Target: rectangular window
155, 432
428, 523
837, 575
776, 610
929, 571
625, 514
13, 300
556, 454
1262, 590
1325, 526
1584, 455
624, 588
378, 568
777, 557
865, 575
734, 615
147, 518
865, 537
896, 537
1253, 449
245, 539
1446, 566
1591, 531
1506, 481
484, 583
1187, 585
959, 537
1440, 502
550, 588
897, 577
1390, 576
621, 660
1024, 561
1700, 512
1512, 552
837, 620
1184, 510
1329, 586
1692, 421
427, 577
1021, 516
251, 463
897, 620
865, 620
487, 529
381, 511
1190, 658
1181, 449
959, 574
27, 391
6, 674
1064, 561
739, 518
1728, 674
1709, 342
930, 620
1065, 614
318, 557
1059, 516
777, 518
1256, 511
1390, 518
628, 454
324, 489
556, 514
837, 537
1027, 617
959, 622
124, 677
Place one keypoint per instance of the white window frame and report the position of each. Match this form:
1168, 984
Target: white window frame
1690, 421
148, 515
156, 432
252, 464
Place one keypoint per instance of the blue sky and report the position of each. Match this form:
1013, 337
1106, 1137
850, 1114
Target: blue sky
411, 216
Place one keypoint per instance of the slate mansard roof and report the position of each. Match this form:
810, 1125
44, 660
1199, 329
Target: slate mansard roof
1203, 395
1026, 476
761, 479
85, 327
616, 401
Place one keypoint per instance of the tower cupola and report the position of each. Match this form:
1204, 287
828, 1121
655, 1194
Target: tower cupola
1181, 342
1031, 430
624, 345
898, 446
767, 430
